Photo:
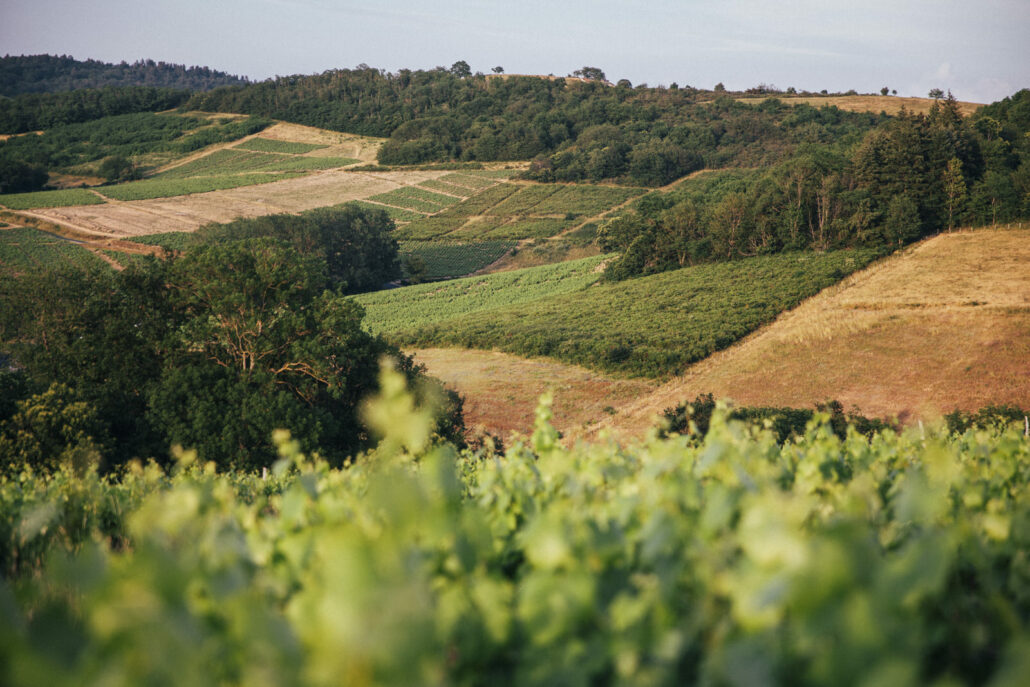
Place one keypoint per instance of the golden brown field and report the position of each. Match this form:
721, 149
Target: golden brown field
891, 104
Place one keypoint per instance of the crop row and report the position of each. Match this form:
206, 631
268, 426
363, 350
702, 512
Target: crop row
410, 307
50, 199
444, 187
651, 326
23, 249
171, 240
167, 188
268, 145
440, 260
225, 161
468, 181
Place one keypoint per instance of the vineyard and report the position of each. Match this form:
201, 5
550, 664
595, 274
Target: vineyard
50, 199
410, 307
23, 249
267, 145
894, 560
651, 326
168, 188
449, 260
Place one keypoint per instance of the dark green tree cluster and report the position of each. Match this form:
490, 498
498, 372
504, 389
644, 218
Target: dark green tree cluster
911, 177
574, 130
211, 350
354, 242
39, 111
52, 73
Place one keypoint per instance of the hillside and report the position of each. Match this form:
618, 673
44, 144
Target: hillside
52, 73
891, 104
942, 325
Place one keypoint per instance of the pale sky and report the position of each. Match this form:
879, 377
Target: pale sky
976, 48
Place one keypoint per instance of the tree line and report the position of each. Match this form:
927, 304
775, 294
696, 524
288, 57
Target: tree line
53, 73
573, 130
912, 176
244, 333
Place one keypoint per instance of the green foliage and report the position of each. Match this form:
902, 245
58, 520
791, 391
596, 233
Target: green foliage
50, 199
354, 244
694, 418
170, 240
133, 136
440, 260
17, 176
733, 560
51, 73
408, 307
118, 168
427, 228
38, 111
214, 349
652, 326
989, 417
52, 429
24, 251
268, 145
168, 188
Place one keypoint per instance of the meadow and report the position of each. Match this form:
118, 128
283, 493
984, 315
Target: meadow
650, 326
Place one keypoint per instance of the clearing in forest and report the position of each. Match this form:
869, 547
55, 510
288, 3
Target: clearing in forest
891, 104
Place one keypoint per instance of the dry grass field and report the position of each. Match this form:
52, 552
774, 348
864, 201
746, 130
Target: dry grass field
943, 325
891, 104
501, 390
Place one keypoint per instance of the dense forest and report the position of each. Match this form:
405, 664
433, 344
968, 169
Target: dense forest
39, 111
52, 73
911, 177
114, 365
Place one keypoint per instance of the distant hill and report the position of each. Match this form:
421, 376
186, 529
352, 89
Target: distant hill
52, 74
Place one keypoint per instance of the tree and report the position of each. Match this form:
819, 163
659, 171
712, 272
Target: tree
52, 429
884, 91
118, 168
461, 69
498, 70
901, 224
954, 190
936, 93
590, 74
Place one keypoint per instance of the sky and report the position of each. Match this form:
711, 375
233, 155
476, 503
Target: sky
975, 48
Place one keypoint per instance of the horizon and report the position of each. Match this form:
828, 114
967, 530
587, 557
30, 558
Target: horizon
975, 52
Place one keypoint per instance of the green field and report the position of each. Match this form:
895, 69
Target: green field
268, 145
410, 307
167, 188
449, 260
444, 187
29, 250
651, 326
232, 161
50, 199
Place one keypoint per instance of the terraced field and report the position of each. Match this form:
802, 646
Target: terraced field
439, 260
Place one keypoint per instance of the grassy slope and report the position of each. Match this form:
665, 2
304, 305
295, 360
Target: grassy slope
410, 307
652, 326
944, 325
